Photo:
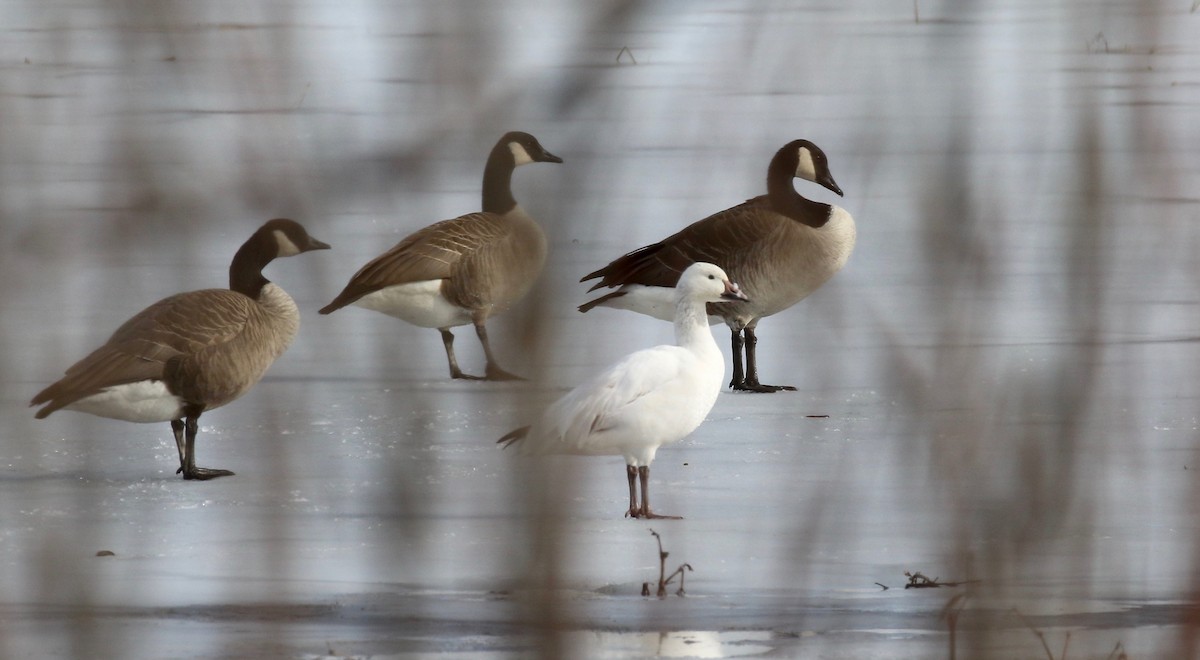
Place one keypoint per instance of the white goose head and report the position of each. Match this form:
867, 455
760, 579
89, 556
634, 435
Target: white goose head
705, 282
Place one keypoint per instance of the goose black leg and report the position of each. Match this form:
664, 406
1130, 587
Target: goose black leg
189, 469
644, 477
494, 372
752, 383
448, 342
177, 429
739, 377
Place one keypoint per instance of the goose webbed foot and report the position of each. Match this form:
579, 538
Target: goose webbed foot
642, 510
187, 466
203, 474
756, 387
747, 381
496, 373
459, 375
650, 515
493, 373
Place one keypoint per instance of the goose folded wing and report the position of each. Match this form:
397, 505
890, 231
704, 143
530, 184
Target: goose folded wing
108, 366
182, 324
616, 399
712, 239
495, 260
433, 253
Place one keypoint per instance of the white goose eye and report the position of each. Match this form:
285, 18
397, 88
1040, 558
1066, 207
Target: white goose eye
520, 154
286, 247
805, 167
712, 277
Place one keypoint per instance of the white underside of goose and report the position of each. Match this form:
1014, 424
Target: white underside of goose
419, 303
144, 401
656, 301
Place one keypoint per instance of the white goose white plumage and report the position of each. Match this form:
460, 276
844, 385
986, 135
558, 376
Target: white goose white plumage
652, 397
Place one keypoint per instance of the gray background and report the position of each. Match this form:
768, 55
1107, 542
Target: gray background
1008, 362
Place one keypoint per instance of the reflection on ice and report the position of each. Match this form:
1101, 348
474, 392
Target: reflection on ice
670, 644
599, 644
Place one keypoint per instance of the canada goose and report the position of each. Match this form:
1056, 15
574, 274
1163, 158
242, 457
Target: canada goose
780, 247
650, 398
465, 269
192, 352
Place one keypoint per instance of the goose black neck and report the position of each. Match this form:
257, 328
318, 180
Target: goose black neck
245, 271
497, 180
784, 198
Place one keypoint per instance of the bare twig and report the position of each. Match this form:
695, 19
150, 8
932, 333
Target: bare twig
950, 613
1040, 635
663, 578
918, 581
680, 572
662, 565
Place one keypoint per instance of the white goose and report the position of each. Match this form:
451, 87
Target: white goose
653, 397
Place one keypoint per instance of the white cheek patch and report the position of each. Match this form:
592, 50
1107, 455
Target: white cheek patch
286, 247
520, 154
805, 168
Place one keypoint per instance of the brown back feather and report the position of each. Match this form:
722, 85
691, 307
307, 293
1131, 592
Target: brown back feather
723, 238
432, 253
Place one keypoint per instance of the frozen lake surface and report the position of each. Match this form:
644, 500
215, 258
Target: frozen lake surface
1000, 389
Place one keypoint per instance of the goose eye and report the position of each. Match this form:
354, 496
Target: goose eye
712, 277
